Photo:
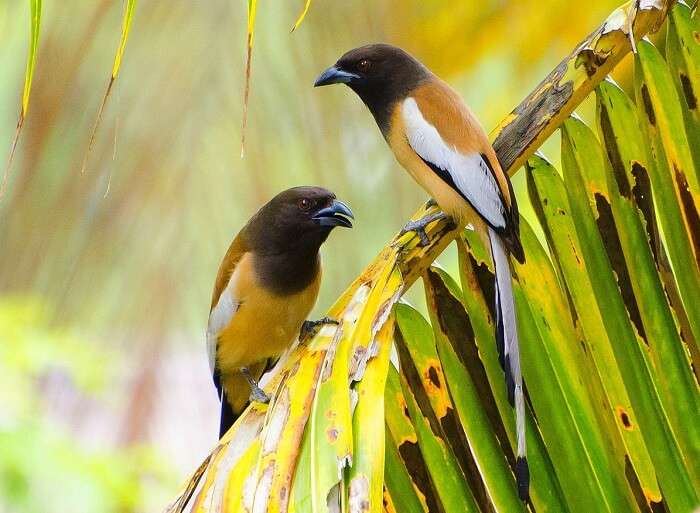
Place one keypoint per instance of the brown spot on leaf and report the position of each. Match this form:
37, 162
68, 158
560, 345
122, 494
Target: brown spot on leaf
539, 204
618, 167
691, 214
415, 381
433, 376
648, 107
332, 434
455, 438
687, 87
486, 283
386, 500
613, 247
573, 249
401, 401
546, 324
624, 418
645, 202
413, 459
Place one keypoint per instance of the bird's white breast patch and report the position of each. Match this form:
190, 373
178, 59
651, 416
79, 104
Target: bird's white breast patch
470, 174
221, 315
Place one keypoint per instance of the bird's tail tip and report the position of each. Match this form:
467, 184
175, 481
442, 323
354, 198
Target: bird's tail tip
522, 478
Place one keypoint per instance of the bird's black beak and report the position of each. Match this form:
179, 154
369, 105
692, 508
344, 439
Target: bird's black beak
334, 215
335, 75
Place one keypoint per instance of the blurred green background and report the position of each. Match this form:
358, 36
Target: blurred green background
106, 276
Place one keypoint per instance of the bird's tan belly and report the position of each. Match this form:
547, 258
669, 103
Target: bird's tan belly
264, 326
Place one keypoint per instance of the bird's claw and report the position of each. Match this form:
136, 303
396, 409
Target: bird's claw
308, 327
257, 394
417, 228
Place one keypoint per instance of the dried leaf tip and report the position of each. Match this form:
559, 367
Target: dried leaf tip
301, 16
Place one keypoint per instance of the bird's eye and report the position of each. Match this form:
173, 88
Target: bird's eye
363, 65
304, 204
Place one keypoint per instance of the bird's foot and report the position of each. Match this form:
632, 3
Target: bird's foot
256, 393
418, 226
308, 327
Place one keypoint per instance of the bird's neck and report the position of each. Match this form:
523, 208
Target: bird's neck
381, 98
381, 108
289, 272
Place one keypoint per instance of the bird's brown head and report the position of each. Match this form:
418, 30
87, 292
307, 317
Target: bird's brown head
298, 219
380, 74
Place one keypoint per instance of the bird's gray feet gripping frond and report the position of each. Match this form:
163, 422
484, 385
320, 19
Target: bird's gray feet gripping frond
419, 226
256, 393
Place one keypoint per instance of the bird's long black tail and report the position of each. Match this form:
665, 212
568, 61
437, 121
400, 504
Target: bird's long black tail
227, 416
509, 354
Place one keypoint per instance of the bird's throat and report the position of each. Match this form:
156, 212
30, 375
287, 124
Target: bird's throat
289, 272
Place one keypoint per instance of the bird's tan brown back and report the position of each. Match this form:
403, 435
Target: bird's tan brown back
444, 109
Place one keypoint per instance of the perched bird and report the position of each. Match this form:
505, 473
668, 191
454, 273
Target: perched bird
441, 144
266, 287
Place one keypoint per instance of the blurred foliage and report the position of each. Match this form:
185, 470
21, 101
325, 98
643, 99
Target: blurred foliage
45, 465
107, 274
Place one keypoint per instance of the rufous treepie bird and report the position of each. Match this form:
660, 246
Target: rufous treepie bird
266, 287
438, 140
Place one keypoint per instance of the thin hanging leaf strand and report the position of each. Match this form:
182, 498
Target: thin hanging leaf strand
252, 7
126, 26
302, 15
35, 9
